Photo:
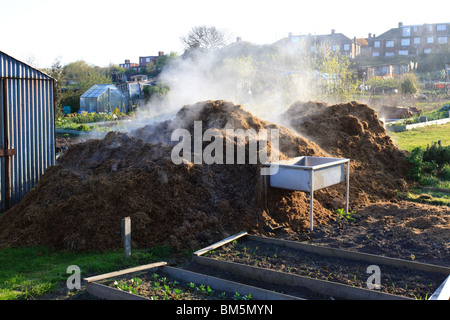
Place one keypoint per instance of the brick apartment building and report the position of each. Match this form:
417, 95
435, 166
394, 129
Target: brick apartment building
409, 40
143, 61
337, 42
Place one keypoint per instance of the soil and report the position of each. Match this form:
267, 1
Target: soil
79, 203
394, 280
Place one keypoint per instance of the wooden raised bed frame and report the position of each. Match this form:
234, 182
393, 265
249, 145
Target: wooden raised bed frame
321, 286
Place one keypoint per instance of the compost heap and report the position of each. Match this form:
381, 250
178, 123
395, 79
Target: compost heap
80, 202
354, 131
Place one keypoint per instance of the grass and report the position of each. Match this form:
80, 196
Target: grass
421, 137
427, 196
31, 272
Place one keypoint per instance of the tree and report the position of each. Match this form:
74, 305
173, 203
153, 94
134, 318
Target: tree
164, 60
205, 37
56, 71
82, 76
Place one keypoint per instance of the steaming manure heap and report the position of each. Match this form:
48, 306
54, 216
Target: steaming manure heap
79, 203
353, 130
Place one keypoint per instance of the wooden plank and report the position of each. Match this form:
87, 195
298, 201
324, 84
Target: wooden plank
319, 286
226, 285
351, 255
109, 293
220, 243
125, 271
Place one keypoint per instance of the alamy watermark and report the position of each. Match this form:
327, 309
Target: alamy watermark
74, 280
374, 280
191, 148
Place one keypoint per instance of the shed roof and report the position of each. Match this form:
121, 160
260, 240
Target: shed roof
13, 68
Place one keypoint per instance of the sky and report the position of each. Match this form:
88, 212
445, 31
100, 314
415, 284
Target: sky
104, 32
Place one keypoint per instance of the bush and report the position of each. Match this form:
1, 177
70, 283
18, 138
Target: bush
430, 165
445, 172
437, 153
409, 84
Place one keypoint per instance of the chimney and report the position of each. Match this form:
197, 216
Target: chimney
127, 61
400, 24
290, 35
160, 53
333, 31
238, 39
370, 35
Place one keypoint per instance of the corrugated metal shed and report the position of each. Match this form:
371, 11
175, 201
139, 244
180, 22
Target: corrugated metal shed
27, 128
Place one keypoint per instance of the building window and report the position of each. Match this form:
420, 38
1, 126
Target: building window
403, 53
430, 39
427, 51
442, 40
416, 40
430, 28
336, 47
147, 59
406, 42
415, 29
389, 43
346, 47
441, 27
389, 54
376, 44
407, 31
376, 54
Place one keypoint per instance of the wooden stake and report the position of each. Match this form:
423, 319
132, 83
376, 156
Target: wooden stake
126, 236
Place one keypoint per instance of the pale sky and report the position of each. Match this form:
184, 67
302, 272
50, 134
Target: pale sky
103, 32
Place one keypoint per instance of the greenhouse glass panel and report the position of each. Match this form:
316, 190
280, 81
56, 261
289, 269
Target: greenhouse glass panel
103, 98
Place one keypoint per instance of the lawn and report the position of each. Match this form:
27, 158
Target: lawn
421, 137
30, 273
431, 189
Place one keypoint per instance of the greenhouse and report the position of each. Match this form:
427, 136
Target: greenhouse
103, 98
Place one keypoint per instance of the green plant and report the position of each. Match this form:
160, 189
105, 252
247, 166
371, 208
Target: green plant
345, 215
130, 286
409, 84
445, 172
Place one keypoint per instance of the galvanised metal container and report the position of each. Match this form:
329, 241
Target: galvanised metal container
309, 174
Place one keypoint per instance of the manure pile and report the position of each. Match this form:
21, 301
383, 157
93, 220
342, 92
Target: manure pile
79, 203
353, 130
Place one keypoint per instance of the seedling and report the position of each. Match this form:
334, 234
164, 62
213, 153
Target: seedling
347, 216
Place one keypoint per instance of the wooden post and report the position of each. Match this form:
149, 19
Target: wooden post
126, 236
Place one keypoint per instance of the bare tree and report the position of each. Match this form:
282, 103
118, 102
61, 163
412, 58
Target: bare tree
205, 37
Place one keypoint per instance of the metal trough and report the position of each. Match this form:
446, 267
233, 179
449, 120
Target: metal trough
309, 174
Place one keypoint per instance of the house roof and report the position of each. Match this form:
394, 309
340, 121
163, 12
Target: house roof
13, 68
333, 38
391, 34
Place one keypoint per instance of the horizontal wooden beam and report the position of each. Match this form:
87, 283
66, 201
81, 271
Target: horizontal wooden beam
220, 243
125, 271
